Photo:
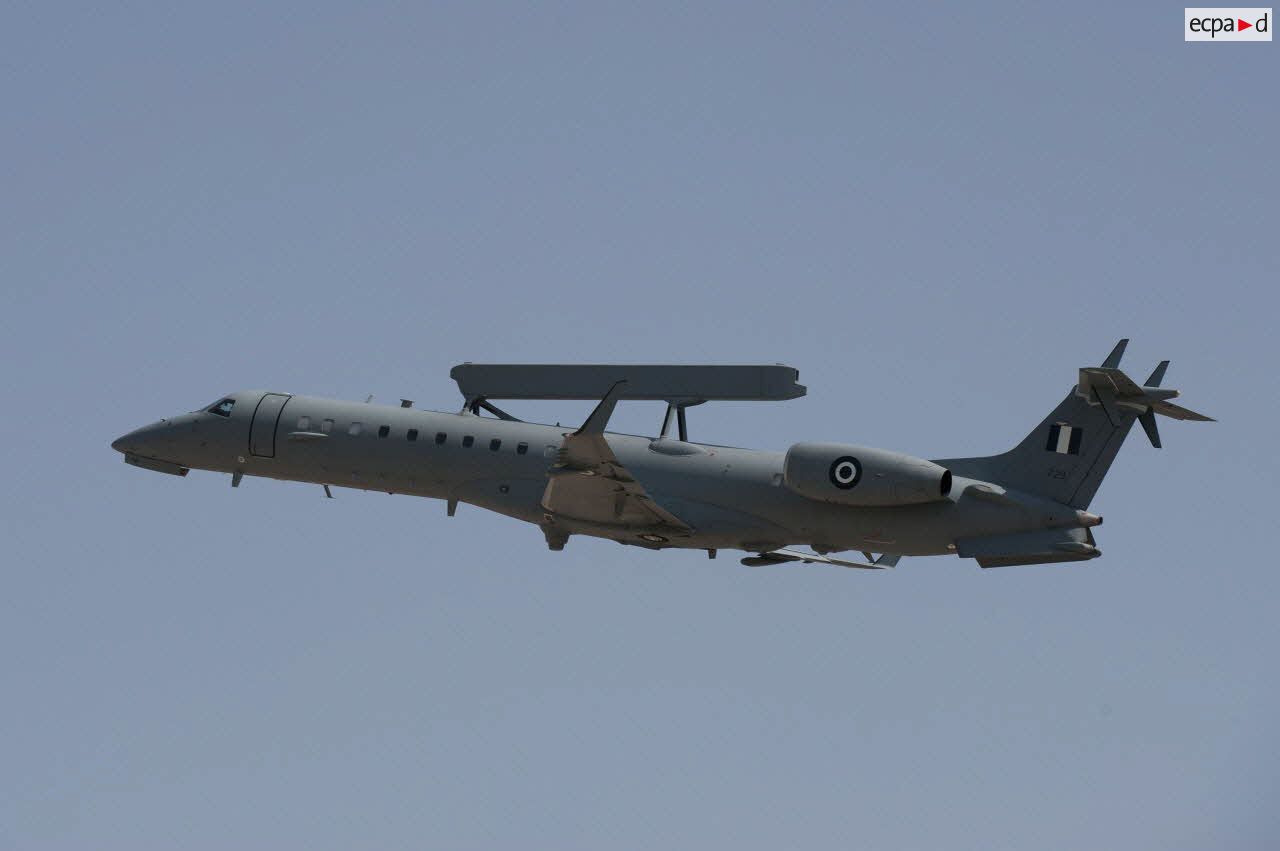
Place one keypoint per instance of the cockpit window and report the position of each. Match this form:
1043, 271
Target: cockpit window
223, 408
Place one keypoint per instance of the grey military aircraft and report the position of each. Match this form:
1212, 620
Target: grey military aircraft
1026, 506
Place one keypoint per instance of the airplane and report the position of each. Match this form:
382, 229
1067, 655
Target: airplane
1026, 506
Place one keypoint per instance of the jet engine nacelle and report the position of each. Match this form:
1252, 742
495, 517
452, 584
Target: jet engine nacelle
860, 475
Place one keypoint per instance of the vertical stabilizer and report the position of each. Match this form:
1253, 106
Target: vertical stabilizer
1066, 457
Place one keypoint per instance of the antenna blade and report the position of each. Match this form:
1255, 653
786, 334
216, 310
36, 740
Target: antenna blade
1113, 359
600, 416
1157, 376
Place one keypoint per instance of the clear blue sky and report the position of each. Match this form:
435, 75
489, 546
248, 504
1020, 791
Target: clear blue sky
936, 214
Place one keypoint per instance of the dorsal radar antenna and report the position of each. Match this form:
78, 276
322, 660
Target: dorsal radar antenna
681, 386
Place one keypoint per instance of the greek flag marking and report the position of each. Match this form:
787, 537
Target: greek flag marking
1064, 439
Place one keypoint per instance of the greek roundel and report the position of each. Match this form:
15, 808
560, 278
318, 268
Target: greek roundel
1064, 439
845, 472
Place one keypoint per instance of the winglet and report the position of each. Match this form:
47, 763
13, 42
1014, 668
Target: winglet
600, 416
1148, 420
1113, 359
1157, 375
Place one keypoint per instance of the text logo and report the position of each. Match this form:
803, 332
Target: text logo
1226, 25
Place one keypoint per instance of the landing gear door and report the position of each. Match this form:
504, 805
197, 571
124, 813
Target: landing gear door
262, 432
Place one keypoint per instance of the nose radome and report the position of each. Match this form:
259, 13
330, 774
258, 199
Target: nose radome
142, 441
130, 442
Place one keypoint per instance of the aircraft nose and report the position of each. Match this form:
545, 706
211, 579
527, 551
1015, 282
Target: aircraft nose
147, 440
130, 442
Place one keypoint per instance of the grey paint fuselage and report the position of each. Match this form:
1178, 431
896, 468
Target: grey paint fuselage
732, 498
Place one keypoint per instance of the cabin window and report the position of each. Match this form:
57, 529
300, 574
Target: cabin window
468, 440
776, 481
326, 426
549, 451
223, 408
495, 445
411, 434
354, 429
383, 431
304, 423
522, 448
441, 437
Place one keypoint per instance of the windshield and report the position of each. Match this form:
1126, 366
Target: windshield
222, 407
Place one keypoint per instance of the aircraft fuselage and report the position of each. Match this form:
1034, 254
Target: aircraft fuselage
731, 498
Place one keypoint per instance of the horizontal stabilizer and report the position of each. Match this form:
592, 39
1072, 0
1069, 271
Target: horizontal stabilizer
1115, 393
1178, 412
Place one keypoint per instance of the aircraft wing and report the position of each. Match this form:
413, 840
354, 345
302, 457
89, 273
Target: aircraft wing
784, 555
589, 485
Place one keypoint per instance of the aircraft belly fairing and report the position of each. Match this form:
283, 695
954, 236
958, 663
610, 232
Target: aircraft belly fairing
589, 488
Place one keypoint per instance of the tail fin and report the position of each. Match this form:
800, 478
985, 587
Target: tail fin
1066, 457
